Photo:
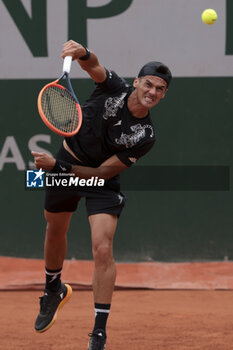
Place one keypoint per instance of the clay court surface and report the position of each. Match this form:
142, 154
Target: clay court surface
156, 306
139, 320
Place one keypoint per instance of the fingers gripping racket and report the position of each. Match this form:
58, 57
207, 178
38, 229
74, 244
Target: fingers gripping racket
59, 107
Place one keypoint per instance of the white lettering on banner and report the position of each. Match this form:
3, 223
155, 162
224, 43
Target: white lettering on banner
10, 146
10, 152
167, 30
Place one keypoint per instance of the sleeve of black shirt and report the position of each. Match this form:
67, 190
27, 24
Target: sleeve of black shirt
112, 82
131, 155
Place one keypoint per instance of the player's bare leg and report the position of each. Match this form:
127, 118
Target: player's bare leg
56, 293
55, 247
103, 227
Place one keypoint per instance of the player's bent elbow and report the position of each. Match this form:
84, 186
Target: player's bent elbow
106, 172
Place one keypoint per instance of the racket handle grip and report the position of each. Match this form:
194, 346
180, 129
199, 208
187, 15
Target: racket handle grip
67, 64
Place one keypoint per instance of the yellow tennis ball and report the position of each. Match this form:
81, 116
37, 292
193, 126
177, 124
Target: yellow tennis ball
209, 16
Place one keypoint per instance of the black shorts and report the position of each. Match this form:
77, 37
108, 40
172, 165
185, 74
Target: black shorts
105, 199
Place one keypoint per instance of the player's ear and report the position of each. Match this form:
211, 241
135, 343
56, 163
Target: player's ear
165, 92
136, 82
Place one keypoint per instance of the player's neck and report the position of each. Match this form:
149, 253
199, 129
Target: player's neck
135, 108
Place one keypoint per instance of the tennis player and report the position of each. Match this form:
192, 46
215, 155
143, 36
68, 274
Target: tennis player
117, 130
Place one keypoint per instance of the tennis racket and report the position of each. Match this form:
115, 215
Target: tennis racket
59, 107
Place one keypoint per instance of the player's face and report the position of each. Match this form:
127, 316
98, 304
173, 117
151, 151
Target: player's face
150, 90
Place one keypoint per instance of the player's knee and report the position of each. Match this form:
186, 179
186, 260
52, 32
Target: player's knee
102, 253
57, 223
55, 232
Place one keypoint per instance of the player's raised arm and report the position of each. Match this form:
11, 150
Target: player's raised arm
87, 60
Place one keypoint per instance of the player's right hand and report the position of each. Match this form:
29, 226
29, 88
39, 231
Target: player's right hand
74, 49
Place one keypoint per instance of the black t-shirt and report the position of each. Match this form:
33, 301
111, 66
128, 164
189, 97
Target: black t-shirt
109, 128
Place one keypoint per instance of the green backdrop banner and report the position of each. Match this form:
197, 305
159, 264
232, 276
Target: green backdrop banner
161, 221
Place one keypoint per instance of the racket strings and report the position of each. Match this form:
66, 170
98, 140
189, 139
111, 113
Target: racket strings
60, 108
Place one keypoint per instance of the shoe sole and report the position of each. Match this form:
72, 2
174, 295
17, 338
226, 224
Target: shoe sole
89, 345
67, 297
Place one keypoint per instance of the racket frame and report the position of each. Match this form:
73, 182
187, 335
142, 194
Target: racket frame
72, 94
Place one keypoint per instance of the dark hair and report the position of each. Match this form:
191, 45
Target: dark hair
158, 69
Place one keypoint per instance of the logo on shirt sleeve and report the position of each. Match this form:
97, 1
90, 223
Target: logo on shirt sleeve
132, 159
139, 132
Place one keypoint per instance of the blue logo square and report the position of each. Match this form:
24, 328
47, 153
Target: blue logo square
35, 178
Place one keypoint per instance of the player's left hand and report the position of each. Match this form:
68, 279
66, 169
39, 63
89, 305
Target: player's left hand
43, 160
